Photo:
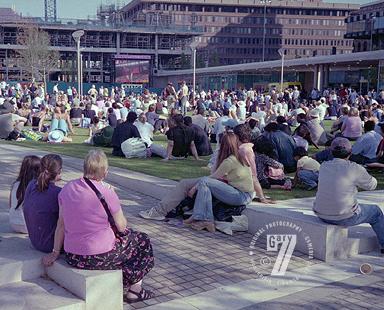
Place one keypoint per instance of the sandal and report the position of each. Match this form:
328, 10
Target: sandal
201, 225
141, 296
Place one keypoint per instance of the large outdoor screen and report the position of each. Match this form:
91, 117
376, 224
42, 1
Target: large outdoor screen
132, 68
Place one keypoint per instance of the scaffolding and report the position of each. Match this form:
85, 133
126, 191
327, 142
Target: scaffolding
50, 10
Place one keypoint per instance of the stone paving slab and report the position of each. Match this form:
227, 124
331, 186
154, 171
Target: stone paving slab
188, 263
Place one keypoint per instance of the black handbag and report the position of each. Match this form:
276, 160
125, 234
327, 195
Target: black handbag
105, 206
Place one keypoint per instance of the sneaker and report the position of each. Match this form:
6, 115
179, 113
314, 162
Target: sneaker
288, 185
152, 214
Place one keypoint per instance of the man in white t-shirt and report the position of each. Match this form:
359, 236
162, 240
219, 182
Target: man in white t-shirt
146, 133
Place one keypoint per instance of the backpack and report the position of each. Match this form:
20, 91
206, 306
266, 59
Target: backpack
134, 148
104, 137
221, 211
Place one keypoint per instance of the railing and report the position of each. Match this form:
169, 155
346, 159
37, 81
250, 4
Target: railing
95, 24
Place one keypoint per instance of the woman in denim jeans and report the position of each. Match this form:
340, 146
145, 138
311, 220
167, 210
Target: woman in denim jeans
231, 183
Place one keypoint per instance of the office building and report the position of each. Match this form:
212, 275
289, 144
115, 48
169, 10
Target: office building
254, 30
366, 27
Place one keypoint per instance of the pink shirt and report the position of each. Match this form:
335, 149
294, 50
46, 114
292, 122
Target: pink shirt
246, 152
353, 127
87, 230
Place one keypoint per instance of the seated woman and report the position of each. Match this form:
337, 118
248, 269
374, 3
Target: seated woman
76, 114
39, 117
270, 172
61, 120
88, 114
231, 183
29, 170
351, 128
89, 241
41, 208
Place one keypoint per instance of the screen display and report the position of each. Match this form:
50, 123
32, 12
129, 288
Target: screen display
132, 69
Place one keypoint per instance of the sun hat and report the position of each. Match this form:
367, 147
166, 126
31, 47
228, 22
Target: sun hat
341, 144
56, 136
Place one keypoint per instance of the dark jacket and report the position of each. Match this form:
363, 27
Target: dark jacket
284, 146
123, 132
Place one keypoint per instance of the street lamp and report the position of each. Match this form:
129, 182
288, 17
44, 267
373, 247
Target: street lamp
77, 36
265, 2
373, 18
282, 53
193, 46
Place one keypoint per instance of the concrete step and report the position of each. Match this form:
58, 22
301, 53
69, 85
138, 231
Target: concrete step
329, 241
37, 294
93, 286
18, 260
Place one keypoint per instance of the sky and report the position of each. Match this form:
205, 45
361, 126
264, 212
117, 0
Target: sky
83, 8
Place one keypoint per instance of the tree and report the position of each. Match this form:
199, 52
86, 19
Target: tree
37, 58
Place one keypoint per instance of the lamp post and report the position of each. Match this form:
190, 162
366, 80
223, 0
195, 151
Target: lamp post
265, 2
282, 53
373, 18
193, 46
77, 36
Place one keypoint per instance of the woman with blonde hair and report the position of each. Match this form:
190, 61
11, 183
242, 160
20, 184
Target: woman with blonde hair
351, 128
96, 236
231, 182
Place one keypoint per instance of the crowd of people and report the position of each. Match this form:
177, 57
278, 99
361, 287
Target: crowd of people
264, 140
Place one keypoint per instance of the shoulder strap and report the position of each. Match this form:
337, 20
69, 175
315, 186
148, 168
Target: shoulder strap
102, 200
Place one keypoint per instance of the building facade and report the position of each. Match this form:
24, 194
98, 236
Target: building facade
254, 30
366, 27
104, 46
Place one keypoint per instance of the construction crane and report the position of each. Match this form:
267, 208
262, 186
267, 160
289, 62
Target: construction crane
50, 10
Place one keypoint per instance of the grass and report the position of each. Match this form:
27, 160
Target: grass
174, 170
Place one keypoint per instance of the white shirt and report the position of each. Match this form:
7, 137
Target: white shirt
117, 113
260, 116
16, 216
146, 131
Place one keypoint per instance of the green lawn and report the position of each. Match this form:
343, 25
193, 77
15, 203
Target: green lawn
174, 170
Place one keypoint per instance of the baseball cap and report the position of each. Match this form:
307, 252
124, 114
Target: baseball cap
231, 123
341, 144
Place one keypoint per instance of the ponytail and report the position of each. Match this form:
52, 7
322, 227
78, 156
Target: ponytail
50, 168
43, 180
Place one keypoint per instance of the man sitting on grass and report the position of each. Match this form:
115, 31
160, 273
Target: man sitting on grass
307, 171
336, 201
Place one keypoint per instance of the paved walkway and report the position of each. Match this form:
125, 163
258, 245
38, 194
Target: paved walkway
200, 270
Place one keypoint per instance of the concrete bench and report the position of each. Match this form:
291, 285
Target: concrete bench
22, 272
329, 241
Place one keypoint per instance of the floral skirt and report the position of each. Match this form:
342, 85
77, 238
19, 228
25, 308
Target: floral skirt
132, 253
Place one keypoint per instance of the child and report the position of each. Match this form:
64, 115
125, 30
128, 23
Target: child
29, 170
307, 169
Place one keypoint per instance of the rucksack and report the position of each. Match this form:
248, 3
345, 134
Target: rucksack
221, 211
134, 148
104, 137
